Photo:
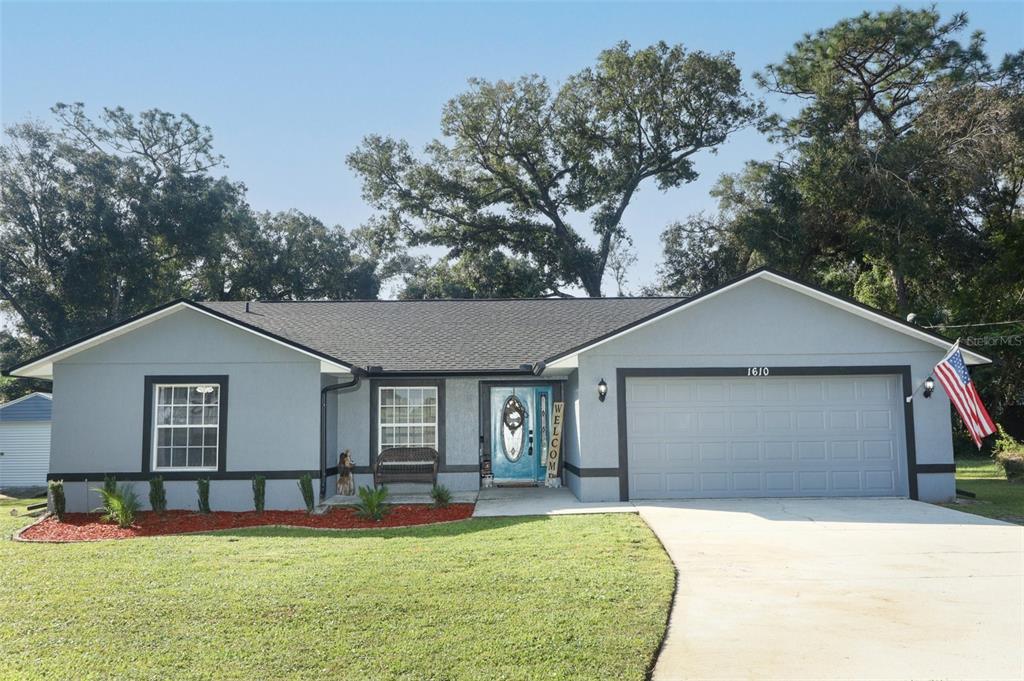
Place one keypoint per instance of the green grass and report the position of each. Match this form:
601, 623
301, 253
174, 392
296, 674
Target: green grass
582, 597
996, 498
9, 503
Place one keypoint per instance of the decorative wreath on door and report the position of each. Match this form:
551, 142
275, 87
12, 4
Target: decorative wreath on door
513, 415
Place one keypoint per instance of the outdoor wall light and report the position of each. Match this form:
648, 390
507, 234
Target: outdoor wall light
602, 390
929, 386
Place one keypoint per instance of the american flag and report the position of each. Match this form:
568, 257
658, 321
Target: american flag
952, 373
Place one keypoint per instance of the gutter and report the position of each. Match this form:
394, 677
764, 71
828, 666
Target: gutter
323, 427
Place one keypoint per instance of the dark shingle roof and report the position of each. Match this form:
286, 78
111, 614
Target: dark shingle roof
444, 335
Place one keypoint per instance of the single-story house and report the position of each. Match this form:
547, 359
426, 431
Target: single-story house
762, 387
25, 442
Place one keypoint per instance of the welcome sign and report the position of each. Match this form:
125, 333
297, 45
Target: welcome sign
555, 447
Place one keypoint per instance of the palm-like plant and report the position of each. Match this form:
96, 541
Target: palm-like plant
372, 503
120, 504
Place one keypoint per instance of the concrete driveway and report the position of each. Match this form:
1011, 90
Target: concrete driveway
840, 589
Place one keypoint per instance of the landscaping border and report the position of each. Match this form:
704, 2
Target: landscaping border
18, 535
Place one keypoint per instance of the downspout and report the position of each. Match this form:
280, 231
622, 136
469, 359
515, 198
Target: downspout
323, 427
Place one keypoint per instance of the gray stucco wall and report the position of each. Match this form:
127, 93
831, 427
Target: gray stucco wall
759, 324
273, 404
225, 495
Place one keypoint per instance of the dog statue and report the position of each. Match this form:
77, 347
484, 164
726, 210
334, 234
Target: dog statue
346, 486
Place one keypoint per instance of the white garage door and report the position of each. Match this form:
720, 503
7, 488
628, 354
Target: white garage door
24, 454
765, 437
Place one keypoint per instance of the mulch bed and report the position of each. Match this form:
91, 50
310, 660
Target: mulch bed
88, 527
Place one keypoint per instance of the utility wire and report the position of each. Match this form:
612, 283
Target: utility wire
963, 326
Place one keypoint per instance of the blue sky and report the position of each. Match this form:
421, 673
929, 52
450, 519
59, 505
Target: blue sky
290, 88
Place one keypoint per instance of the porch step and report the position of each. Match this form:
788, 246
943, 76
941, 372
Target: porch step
409, 488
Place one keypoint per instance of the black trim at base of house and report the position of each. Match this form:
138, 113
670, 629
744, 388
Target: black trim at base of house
936, 468
136, 476
591, 472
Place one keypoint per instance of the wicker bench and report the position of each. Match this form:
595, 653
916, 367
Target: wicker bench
406, 464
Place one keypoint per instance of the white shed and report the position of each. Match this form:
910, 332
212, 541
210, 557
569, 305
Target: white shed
25, 441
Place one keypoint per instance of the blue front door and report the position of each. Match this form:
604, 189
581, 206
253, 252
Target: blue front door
520, 428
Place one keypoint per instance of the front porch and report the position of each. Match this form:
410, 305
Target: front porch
494, 502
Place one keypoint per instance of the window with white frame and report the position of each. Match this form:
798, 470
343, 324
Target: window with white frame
186, 426
407, 417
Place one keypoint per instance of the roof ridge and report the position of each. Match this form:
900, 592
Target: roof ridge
440, 300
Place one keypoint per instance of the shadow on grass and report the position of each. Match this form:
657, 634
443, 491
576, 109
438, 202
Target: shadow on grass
450, 529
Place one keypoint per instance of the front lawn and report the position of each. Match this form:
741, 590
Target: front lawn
996, 497
567, 597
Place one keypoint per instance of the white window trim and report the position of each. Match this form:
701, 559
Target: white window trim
435, 424
153, 466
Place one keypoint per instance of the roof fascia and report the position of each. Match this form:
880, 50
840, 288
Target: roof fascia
570, 358
42, 366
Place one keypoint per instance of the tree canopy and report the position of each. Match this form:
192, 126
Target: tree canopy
520, 163
104, 218
900, 183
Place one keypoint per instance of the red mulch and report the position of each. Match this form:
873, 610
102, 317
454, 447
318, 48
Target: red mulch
88, 527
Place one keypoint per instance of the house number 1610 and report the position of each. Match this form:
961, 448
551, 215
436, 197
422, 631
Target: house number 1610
757, 371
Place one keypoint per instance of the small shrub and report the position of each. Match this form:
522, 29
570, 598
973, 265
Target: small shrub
110, 487
57, 498
259, 492
1009, 454
441, 495
157, 494
372, 503
120, 505
306, 485
203, 486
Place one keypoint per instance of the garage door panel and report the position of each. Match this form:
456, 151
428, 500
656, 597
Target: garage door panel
846, 481
775, 391
873, 388
749, 481
648, 484
765, 436
744, 392
746, 451
714, 483
744, 421
776, 482
814, 451
681, 483
647, 454
842, 419
880, 482
876, 419
713, 452
845, 450
713, 422
646, 391
879, 450
778, 451
812, 483
810, 420
809, 390
778, 421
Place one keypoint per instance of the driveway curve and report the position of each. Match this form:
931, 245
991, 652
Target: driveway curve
840, 589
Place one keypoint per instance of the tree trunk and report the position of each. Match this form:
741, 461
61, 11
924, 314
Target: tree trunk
591, 281
899, 284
